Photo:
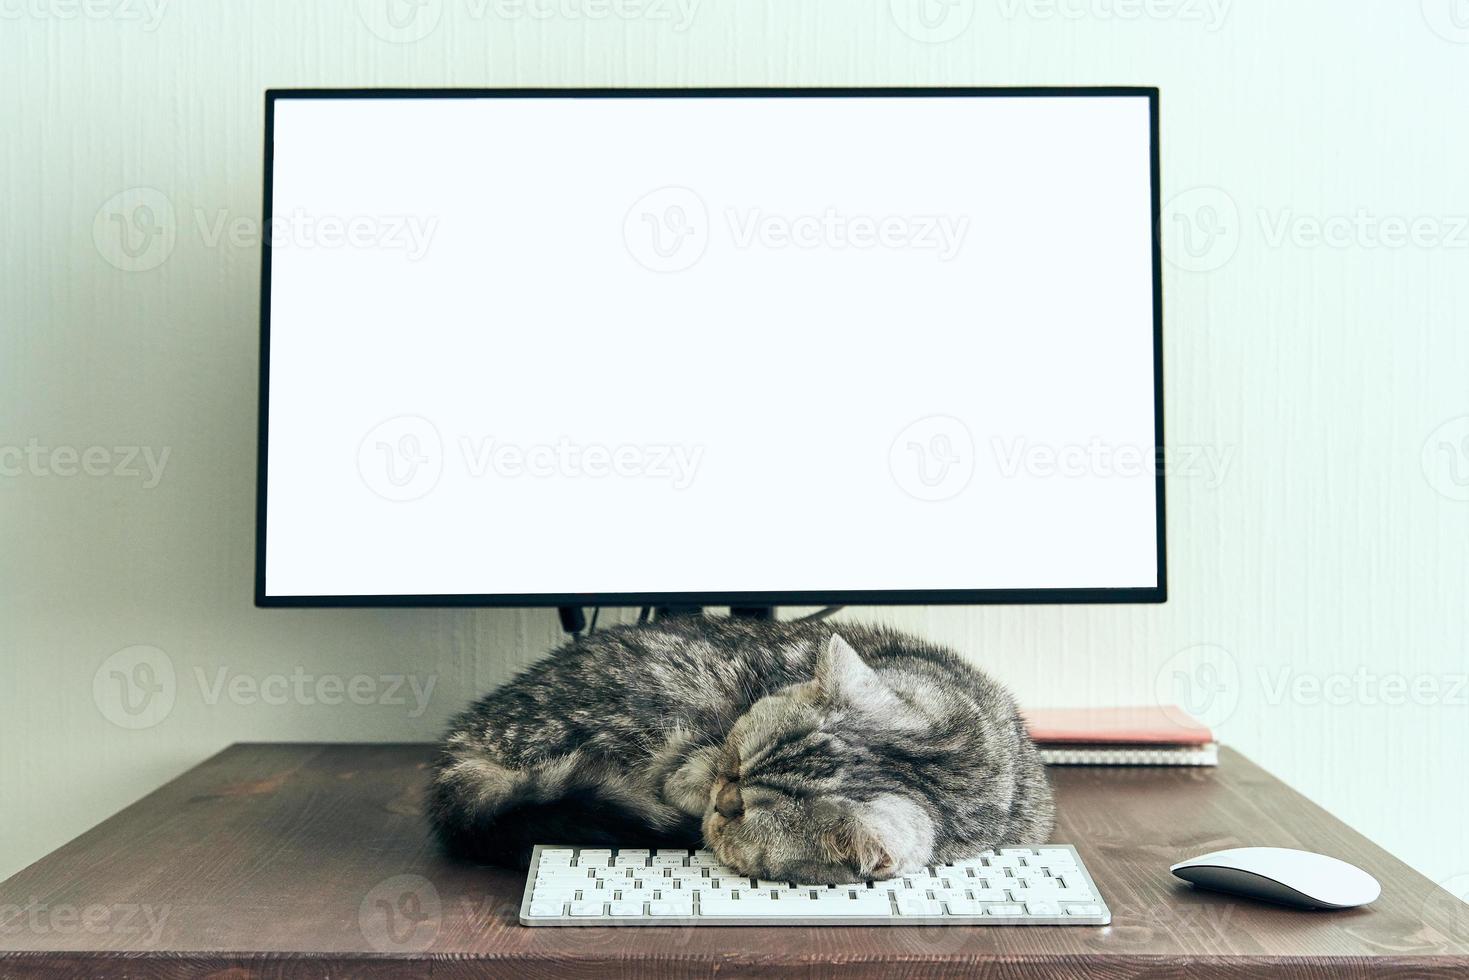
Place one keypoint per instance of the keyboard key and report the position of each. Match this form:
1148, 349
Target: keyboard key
1037, 888
1004, 910
625, 908
588, 909
1042, 908
914, 905
563, 871
1083, 910
962, 907
559, 855
545, 909
792, 910
1051, 890
667, 907
832, 895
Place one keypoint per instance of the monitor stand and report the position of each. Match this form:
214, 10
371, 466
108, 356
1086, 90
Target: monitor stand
738, 612
574, 619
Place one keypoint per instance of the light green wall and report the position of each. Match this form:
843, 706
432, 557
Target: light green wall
1322, 372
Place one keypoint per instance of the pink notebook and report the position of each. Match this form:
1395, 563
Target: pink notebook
1140, 725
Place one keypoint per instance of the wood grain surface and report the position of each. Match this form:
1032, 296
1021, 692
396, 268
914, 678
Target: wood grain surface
311, 860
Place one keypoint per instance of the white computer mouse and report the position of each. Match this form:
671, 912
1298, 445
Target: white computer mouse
1283, 875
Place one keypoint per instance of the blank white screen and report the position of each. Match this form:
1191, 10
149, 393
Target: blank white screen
888, 344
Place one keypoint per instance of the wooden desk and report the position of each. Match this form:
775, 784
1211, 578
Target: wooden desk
311, 860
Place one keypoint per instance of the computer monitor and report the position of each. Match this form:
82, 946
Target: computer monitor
733, 346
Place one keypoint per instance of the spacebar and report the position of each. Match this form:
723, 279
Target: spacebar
794, 910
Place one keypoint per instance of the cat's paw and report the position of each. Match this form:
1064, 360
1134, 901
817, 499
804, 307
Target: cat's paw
687, 788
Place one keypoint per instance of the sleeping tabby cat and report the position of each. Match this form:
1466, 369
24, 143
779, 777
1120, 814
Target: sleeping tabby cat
794, 751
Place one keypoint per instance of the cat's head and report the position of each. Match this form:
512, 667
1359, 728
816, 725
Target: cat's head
809, 786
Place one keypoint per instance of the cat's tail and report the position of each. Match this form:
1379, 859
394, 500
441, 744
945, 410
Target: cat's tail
490, 813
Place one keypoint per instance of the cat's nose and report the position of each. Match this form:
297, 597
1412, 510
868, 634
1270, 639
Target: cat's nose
728, 803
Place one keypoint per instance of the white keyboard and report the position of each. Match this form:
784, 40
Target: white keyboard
575, 886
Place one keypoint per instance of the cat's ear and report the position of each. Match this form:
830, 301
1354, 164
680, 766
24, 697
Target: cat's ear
842, 675
853, 845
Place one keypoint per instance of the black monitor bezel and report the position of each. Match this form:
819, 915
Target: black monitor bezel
1153, 594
